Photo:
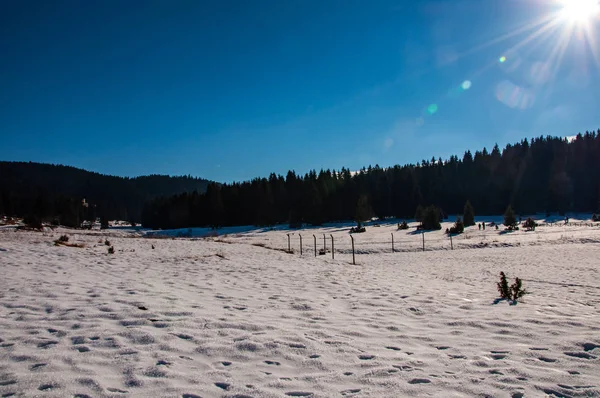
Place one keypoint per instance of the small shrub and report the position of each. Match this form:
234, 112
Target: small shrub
322, 252
530, 224
357, 230
403, 225
111, 250
596, 218
63, 238
458, 227
514, 292
107, 242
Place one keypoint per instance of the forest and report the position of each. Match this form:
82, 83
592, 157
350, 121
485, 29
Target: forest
545, 174
55, 193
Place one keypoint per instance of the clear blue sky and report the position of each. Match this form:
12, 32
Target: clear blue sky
230, 90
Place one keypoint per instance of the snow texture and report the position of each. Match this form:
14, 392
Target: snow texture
226, 317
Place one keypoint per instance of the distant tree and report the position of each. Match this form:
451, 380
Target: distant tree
419, 213
363, 210
294, 220
33, 221
510, 220
217, 208
104, 222
530, 224
468, 215
431, 219
458, 227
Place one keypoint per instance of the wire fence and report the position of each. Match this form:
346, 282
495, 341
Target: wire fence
352, 247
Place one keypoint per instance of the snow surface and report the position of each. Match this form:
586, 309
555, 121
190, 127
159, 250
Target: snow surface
226, 317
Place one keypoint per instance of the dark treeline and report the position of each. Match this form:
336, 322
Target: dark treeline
48, 192
548, 174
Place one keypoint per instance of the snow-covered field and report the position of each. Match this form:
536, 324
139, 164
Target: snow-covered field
225, 317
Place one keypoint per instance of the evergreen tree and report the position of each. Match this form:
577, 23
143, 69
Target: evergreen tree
431, 218
510, 220
468, 215
363, 210
419, 213
503, 288
104, 222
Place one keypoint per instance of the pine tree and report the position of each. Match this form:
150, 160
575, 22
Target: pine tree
468, 215
363, 210
104, 222
458, 227
510, 220
503, 288
431, 219
419, 213
517, 289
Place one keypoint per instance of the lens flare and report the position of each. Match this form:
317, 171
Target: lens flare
514, 96
502, 59
432, 109
466, 85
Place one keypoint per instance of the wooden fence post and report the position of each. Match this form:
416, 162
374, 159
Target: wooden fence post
289, 244
353, 258
451, 245
392, 242
300, 243
423, 234
332, 248
315, 238
324, 244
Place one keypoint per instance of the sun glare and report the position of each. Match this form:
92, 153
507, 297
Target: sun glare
580, 11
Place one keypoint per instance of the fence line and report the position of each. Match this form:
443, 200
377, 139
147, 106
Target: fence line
445, 242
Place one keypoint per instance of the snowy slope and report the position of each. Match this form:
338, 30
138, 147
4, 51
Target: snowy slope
224, 317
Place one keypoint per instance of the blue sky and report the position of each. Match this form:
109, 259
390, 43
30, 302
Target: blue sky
231, 90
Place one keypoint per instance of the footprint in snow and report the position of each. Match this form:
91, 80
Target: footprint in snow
583, 355
419, 381
223, 386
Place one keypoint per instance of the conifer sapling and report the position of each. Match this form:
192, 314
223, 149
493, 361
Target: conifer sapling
517, 289
503, 288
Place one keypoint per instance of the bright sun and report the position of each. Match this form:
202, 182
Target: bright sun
580, 11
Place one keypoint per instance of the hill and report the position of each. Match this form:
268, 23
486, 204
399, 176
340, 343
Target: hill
45, 189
